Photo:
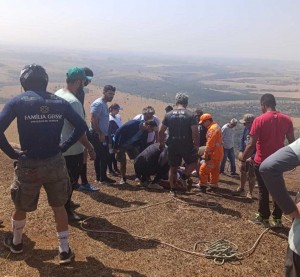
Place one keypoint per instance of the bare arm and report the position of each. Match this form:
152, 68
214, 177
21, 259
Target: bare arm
88, 146
95, 126
250, 148
161, 134
290, 137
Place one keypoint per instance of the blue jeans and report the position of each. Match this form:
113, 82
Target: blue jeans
228, 153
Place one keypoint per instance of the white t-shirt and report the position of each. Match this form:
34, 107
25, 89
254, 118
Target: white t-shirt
77, 148
228, 136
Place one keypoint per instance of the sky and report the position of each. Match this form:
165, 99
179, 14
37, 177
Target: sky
263, 29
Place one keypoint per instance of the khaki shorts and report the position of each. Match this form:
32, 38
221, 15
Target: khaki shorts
30, 175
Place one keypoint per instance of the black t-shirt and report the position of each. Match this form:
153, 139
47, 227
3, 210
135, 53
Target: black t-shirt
179, 123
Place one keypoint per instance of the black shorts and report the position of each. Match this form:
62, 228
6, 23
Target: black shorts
177, 152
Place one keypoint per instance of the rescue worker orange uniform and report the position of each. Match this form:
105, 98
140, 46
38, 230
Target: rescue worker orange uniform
213, 154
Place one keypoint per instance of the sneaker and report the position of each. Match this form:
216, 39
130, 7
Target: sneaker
239, 191
122, 181
172, 193
117, 171
66, 257
155, 186
8, 243
260, 221
144, 184
234, 174
249, 195
72, 216
75, 186
113, 173
194, 173
88, 187
277, 223
212, 188
107, 181
203, 188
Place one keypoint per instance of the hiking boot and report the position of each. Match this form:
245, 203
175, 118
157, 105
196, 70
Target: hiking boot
66, 257
155, 186
260, 221
88, 187
8, 243
239, 191
277, 223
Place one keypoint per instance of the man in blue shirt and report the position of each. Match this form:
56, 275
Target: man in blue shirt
40, 118
99, 132
131, 138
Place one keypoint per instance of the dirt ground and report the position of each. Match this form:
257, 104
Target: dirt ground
124, 214
118, 252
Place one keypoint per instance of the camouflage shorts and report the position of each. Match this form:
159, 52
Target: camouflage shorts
30, 175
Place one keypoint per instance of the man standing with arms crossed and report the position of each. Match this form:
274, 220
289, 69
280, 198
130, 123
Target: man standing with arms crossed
40, 118
267, 133
183, 139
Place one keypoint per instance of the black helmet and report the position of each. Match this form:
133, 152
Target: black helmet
34, 77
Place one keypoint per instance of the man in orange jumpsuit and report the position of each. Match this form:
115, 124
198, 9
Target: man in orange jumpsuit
213, 154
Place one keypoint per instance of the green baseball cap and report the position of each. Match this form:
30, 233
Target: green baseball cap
76, 73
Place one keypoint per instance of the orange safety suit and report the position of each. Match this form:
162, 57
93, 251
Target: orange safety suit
213, 156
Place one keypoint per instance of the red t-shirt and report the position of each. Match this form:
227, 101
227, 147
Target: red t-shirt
270, 130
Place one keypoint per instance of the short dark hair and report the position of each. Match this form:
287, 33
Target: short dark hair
109, 87
268, 99
168, 108
198, 112
148, 110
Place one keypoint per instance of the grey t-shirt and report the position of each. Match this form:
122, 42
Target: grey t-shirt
99, 108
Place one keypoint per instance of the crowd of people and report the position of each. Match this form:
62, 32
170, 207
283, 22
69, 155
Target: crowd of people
55, 142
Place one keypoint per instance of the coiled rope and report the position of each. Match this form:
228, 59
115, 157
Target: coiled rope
220, 250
